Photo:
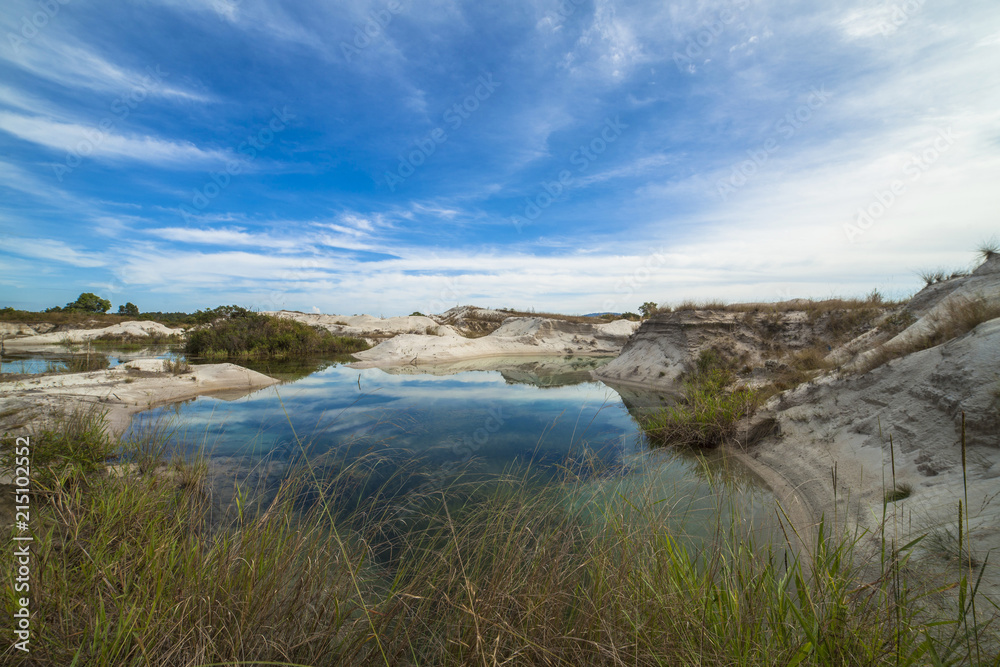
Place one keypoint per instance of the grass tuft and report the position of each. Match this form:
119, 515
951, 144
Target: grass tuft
988, 249
178, 366
901, 492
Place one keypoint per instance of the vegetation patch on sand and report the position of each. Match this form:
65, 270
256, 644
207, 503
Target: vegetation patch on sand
709, 410
960, 317
238, 333
132, 342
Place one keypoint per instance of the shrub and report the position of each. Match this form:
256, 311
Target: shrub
897, 322
242, 334
709, 411
176, 366
127, 341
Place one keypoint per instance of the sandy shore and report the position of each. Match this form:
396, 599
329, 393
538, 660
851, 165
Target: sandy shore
126, 389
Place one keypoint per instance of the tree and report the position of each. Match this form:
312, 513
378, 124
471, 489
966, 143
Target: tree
647, 309
129, 309
89, 302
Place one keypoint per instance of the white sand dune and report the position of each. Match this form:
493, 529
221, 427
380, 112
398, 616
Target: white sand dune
137, 329
517, 336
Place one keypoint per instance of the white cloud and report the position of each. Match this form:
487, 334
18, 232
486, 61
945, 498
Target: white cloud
225, 236
610, 45
49, 249
92, 142
77, 67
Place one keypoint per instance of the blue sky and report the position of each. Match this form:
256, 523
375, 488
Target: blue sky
391, 156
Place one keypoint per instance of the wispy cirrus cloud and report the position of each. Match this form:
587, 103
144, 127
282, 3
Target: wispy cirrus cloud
62, 136
222, 237
51, 249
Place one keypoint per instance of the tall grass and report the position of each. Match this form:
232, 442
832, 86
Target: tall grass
128, 572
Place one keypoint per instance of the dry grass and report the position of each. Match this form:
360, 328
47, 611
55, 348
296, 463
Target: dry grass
930, 277
814, 308
498, 316
960, 317
178, 366
74, 319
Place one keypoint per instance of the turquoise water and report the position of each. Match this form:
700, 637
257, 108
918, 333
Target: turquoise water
545, 416
488, 416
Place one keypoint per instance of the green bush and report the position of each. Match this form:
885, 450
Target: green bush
708, 412
242, 334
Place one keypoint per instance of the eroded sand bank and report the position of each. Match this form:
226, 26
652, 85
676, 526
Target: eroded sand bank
126, 389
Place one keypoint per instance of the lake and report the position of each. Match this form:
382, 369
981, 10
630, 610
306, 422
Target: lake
543, 420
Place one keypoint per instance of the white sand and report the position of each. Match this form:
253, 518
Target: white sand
366, 326
520, 336
832, 458
77, 336
123, 393
844, 424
